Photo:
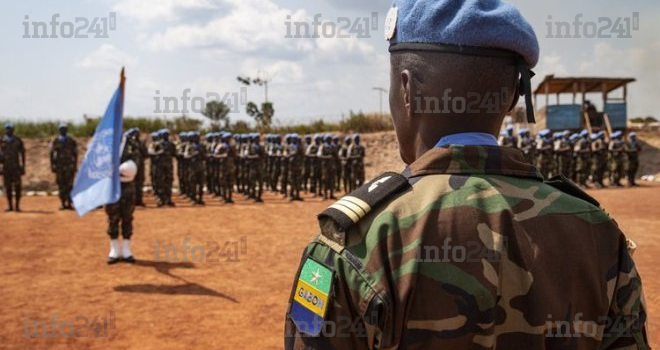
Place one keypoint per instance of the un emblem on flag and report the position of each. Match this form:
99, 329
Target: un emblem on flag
101, 156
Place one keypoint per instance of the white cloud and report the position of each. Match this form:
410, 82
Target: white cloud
107, 56
156, 10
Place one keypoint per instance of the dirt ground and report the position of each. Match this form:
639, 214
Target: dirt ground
54, 262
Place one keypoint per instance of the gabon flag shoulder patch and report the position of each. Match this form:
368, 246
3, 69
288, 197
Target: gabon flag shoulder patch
311, 297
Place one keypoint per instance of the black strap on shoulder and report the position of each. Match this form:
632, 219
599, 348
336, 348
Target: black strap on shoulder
353, 207
567, 186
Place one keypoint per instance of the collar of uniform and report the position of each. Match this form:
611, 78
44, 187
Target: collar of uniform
473, 160
468, 139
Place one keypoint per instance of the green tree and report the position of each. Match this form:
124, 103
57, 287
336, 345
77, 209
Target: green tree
216, 112
263, 117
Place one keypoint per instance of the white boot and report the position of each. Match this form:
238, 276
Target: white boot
126, 251
113, 256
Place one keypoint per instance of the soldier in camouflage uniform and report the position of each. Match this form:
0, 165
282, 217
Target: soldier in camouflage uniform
347, 165
337, 144
527, 145
284, 164
295, 157
616, 151
64, 162
143, 154
254, 162
195, 155
167, 167
311, 155
155, 151
182, 164
227, 155
632, 149
582, 150
544, 153
12, 156
121, 213
598, 159
327, 156
391, 266
307, 163
357, 153
563, 154
507, 139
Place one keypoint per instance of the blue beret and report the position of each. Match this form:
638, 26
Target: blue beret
9, 126
632, 134
544, 132
616, 134
584, 132
492, 24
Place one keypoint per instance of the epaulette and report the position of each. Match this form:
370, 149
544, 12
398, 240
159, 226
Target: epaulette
350, 209
567, 186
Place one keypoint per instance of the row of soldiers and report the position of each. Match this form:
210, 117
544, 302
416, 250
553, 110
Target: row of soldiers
225, 163
579, 156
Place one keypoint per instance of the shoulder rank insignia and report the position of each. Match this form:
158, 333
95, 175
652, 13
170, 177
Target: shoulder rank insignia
311, 297
351, 208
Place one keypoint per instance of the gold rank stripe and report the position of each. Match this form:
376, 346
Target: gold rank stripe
366, 208
311, 298
353, 207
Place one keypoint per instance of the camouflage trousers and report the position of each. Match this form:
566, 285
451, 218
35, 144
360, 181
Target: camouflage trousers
582, 170
616, 169
196, 179
12, 183
122, 213
64, 179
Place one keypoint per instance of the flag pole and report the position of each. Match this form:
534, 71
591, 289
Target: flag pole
122, 84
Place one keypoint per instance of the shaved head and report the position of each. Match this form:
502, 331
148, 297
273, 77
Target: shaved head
433, 94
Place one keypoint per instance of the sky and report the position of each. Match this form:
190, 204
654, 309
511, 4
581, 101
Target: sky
199, 47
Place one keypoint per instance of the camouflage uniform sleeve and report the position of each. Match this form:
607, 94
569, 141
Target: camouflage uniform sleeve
625, 327
351, 312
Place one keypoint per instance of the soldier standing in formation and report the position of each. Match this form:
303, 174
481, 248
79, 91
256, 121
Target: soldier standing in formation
582, 151
327, 155
121, 213
142, 156
527, 145
12, 156
369, 268
616, 158
632, 149
598, 159
195, 157
357, 153
64, 162
563, 154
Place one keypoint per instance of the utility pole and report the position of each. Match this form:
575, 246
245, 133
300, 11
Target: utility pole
380, 94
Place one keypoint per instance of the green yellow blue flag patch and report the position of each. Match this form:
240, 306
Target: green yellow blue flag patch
311, 297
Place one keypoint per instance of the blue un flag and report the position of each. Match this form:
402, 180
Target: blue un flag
97, 182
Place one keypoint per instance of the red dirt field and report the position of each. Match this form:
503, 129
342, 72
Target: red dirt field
54, 262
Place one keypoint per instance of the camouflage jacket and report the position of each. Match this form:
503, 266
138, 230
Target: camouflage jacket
468, 249
13, 153
64, 154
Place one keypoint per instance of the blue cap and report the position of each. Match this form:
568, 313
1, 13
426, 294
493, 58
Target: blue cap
491, 24
468, 27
